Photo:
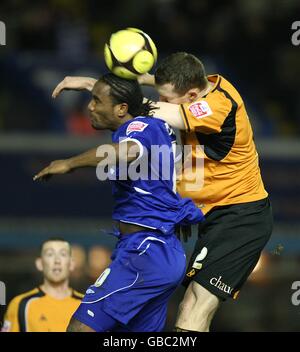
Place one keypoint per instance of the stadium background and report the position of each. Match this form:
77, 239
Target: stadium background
249, 42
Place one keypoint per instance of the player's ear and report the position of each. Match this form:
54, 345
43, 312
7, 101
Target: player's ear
192, 95
122, 110
72, 264
39, 264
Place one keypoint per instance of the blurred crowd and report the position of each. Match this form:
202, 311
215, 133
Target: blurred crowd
248, 42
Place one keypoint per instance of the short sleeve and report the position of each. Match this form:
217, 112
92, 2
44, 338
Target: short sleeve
11, 323
206, 115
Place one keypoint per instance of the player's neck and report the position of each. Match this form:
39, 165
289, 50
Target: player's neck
122, 121
209, 86
58, 291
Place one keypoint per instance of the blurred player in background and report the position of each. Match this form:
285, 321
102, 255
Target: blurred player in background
210, 112
49, 307
149, 261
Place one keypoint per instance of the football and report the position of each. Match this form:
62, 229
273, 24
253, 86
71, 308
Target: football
130, 52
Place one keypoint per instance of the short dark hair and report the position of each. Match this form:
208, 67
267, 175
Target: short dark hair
183, 70
129, 92
53, 239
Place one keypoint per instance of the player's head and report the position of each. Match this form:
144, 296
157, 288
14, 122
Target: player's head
179, 78
114, 100
55, 260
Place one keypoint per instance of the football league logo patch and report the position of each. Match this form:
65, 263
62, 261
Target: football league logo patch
136, 126
200, 109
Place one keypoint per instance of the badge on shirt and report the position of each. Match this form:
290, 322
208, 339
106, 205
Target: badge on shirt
6, 326
136, 126
102, 277
200, 109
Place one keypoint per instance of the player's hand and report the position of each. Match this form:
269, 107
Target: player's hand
183, 232
146, 80
74, 83
55, 168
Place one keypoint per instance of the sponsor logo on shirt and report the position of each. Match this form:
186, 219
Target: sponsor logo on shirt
200, 109
136, 126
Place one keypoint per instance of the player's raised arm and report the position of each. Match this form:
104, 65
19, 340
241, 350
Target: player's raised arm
164, 110
82, 83
112, 154
170, 113
146, 80
74, 83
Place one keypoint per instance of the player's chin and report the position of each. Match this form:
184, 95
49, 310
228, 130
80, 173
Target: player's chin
57, 279
96, 126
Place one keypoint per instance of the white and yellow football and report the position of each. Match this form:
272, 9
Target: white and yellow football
130, 52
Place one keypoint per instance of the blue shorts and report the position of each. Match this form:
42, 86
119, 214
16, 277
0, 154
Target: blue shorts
133, 292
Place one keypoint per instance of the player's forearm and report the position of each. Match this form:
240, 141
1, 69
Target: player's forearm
89, 83
87, 159
74, 83
170, 113
107, 154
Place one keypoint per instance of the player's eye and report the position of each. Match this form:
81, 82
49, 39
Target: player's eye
96, 99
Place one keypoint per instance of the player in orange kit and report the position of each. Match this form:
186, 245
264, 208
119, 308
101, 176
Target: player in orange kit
49, 307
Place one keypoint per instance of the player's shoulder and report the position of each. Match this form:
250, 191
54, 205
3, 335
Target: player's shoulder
222, 91
77, 295
220, 82
143, 124
35, 292
152, 121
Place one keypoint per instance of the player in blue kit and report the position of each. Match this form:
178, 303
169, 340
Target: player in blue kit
148, 262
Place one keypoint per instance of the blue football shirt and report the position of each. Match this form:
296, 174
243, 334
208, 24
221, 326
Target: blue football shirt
145, 190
